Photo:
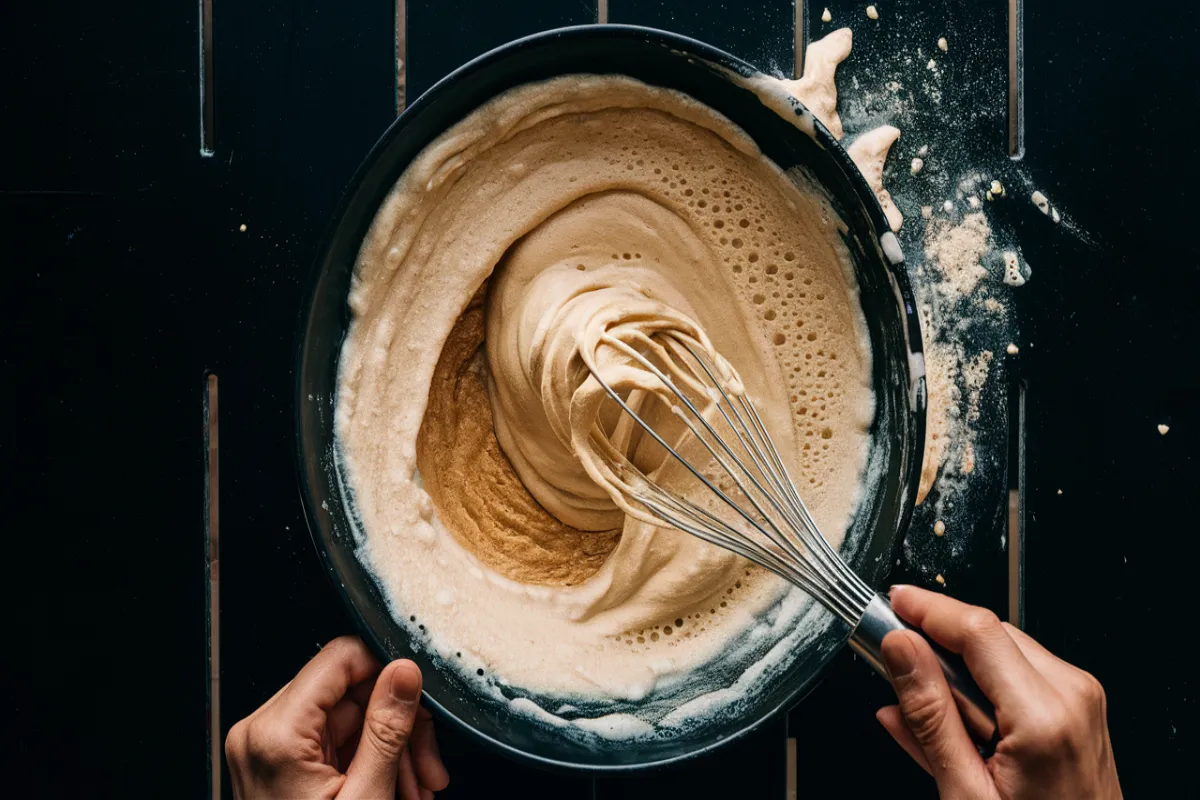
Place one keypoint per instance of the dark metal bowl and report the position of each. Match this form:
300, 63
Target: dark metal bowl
683, 64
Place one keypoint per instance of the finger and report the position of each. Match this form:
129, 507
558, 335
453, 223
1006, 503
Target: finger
426, 794
272, 700
427, 760
391, 713
1061, 675
407, 787
893, 722
325, 679
930, 713
991, 655
343, 721
1042, 659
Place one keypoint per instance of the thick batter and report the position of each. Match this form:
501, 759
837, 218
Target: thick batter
554, 210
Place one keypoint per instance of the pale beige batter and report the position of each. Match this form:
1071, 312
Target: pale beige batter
588, 202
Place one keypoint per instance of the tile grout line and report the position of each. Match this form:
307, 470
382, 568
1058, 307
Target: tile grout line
205, 46
400, 53
791, 781
1016, 79
799, 39
1016, 521
213, 589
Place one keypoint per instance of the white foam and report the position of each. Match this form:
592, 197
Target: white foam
615, 726
527, 708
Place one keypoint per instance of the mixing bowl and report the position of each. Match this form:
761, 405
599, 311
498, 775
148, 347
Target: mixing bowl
897, 434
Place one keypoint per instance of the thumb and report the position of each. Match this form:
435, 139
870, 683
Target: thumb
932, 718
391, 713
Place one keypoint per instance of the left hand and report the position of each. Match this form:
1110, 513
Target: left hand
343, 728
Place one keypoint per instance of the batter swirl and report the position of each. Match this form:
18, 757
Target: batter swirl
558, 210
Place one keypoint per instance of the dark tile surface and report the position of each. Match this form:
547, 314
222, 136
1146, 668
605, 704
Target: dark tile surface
445, 34
762, 33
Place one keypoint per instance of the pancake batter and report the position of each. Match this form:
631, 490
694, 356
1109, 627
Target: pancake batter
556, 202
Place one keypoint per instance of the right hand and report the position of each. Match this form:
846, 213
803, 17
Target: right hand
1052, 716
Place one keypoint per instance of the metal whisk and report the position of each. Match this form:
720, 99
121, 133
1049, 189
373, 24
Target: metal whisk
768, 522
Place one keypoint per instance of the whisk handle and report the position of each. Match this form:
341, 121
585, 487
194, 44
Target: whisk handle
976, 710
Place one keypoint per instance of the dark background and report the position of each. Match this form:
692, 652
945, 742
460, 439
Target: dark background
126, 278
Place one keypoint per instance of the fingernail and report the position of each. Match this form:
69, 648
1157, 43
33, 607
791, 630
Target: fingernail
900, 657
897, 587
406, 682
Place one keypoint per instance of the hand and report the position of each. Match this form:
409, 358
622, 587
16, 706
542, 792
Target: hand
1052, 716
342, 728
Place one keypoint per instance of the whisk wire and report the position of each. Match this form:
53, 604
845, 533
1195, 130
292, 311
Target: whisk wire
805, 525
761, 477
752, 449
765, 455
733, 540
670, 385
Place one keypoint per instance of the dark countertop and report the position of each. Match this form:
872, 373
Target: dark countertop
129, 278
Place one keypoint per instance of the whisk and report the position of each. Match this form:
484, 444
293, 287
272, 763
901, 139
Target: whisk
769, 523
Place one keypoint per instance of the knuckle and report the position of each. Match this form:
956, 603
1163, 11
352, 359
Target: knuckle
980, 622
339, 646
1086, 702
1092, 692
266, 747
235, 743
